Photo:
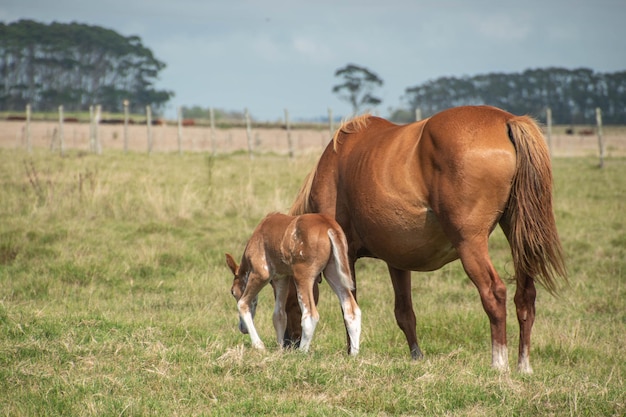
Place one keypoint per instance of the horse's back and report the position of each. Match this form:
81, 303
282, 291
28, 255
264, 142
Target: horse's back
400, 192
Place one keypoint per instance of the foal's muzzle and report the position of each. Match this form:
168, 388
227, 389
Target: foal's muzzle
242, 326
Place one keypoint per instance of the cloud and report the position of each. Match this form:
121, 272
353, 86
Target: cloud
503, 27
312, 50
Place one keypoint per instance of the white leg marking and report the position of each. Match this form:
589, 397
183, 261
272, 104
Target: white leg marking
353, 325
500, 357
523, 363
352, 320
308, 324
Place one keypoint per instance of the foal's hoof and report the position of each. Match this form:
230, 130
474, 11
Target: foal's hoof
259, 346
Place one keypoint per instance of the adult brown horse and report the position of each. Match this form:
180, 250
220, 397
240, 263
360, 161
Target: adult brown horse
421, 195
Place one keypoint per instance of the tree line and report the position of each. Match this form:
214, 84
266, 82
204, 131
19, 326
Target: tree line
573, 95
76, 65
79, 65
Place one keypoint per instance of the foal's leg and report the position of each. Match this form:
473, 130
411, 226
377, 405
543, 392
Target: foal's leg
478, 266
304, 286
255, 284
403, 309
279, 318
349, 306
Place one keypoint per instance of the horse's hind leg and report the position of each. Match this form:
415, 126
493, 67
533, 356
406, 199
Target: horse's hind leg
525, 296
478, 266
403, 309
525, 305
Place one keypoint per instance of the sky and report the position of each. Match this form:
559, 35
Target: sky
272, 55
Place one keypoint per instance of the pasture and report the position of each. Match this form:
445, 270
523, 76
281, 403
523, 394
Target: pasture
114, 300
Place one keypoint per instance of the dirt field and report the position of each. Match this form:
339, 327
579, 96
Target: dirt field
194, 138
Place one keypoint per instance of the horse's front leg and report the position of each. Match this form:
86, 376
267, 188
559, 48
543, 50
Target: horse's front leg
403, 309
279, 318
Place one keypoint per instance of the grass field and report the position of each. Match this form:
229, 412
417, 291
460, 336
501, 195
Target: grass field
114, 301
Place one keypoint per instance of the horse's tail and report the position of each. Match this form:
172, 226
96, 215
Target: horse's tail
533, 236
340, 254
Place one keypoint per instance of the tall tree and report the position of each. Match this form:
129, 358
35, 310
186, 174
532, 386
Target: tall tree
357, 87
75, 65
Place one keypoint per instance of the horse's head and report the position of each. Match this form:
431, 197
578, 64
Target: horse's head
240, 280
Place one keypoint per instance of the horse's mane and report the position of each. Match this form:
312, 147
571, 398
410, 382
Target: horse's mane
353, 125
301, 204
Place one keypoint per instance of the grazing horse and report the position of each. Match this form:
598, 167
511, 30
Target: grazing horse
301, 247
421, 195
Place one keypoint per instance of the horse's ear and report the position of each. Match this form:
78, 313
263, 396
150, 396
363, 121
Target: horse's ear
231, 263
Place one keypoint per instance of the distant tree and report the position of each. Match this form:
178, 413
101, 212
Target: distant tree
75, 65
357, 87
198, 112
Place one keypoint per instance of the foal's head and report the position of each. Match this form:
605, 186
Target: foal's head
240, 280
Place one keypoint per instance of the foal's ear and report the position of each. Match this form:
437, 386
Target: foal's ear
231, 263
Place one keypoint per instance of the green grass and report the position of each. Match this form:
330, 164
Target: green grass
114, 300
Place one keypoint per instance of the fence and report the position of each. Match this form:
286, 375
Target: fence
157, 135
151, 135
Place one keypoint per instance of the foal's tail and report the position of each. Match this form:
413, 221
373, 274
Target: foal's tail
340, 254
533, 237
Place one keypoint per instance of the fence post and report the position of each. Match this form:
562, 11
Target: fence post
92, 130
549, 127
97, 129
418, 114
330, 122
212, 119
249, 133
180, 131
125, 126
29, 145
289, 141
149, 126
61, 136
600, 143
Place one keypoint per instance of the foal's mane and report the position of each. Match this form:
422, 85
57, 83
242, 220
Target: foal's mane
353, 125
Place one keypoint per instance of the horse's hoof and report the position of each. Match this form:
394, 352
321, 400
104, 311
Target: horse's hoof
416, 354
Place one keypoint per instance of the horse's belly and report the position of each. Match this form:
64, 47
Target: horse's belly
410, 241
